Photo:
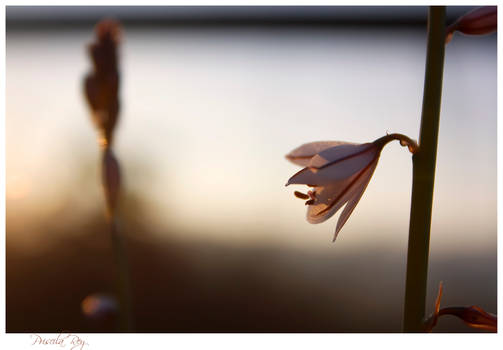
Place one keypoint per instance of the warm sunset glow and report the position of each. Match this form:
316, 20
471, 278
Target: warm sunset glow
18, 186
228, 171
204, 116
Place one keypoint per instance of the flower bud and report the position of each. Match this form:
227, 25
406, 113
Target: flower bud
472, 316
101, 86
99, 306
483, 20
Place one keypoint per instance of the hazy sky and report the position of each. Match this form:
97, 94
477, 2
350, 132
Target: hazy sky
211, 113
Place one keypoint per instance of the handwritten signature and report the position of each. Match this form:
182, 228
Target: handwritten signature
64, 340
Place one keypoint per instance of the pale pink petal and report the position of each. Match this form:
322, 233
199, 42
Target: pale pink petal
329, 199
337, 171
302, 155
360, 186
339, 153
303, 177
346, 168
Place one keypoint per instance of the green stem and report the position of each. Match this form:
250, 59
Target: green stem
424, 176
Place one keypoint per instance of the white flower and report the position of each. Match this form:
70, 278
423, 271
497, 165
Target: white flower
339, 173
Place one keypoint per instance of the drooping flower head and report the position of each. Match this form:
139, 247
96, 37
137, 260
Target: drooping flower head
338, 173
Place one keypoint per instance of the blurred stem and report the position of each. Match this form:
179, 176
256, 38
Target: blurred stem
123, 284
424, 176
125, 321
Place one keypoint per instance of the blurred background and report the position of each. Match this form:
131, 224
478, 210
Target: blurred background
212, 99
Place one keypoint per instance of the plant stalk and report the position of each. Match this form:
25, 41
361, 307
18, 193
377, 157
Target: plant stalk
111, 186
125, 320
424, 176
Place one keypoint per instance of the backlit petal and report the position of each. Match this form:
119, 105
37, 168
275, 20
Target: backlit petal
335, 154
303, 154
361, 185
304, 177
335, 172
329, 199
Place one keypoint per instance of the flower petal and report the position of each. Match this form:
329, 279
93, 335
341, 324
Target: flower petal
302, 155
327, 201
339, 153
335, 172
361, 185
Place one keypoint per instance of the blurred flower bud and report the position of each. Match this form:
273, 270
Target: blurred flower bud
101, 86
99, 306
483, 20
